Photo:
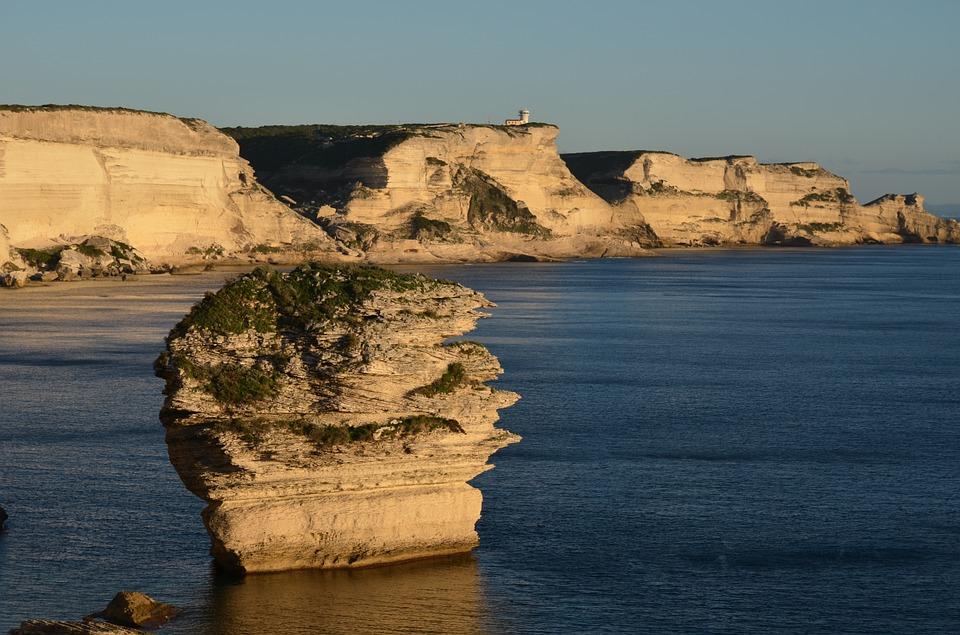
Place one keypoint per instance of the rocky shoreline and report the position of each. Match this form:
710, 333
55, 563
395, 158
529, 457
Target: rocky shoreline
89, 192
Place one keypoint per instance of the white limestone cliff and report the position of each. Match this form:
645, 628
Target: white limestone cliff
178, 192
175, 189
737, 200
453, 192
325, 422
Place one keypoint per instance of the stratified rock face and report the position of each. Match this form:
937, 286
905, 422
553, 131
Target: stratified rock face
415, 192
913, 223
735, 199
323, 419
172, 188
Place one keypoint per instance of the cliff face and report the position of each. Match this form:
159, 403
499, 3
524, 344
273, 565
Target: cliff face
172, 188
325, 422
450, 191
738, 200
913, 223
177, 191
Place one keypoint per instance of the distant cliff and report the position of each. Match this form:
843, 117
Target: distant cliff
83, 183
325, 421
174, 189
421, 192
737, 200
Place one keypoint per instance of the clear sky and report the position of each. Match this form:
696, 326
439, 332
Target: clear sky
870, 88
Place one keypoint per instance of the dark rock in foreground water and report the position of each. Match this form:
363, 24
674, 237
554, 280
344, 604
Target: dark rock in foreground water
127, 613
130, 608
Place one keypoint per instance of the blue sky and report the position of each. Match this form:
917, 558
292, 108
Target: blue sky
870, 89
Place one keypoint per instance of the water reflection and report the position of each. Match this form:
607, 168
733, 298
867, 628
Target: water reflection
429, 596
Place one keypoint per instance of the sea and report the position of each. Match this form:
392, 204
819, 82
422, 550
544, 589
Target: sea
714, 441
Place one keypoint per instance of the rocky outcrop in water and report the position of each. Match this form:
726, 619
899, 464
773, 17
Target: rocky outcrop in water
737, 200
175, 189
127, 613
324, 420
443, 191
137, 610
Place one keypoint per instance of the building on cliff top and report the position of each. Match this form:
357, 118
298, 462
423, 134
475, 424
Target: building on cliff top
524, 119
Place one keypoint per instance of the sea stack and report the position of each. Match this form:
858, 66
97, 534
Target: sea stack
326, 422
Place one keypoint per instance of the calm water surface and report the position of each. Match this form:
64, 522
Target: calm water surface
722, 442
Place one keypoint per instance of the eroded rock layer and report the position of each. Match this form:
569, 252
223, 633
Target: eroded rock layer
454, 192
175, 189
325, 421
736, 200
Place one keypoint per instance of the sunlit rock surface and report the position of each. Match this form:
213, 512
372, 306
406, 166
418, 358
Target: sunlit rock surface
441, 191
325, 421
737, 200
175, 189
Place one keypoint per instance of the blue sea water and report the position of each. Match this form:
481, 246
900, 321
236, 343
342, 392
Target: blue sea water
748, 441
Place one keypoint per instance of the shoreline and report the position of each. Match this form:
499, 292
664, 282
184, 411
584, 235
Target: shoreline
240, 267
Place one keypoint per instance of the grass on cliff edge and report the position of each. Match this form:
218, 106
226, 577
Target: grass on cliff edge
231, 384
190, 121
326, 436
451, 379
266, 300
271, 148
236, 384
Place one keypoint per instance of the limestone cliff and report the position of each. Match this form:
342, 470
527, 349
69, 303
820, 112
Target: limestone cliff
912, 223
455, 192
175, 189
736, 200
324, 420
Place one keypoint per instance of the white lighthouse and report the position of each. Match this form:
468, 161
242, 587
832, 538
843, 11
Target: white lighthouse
524, 119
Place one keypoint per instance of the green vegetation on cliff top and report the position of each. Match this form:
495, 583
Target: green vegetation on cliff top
266, 300
191, 121
270, 148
